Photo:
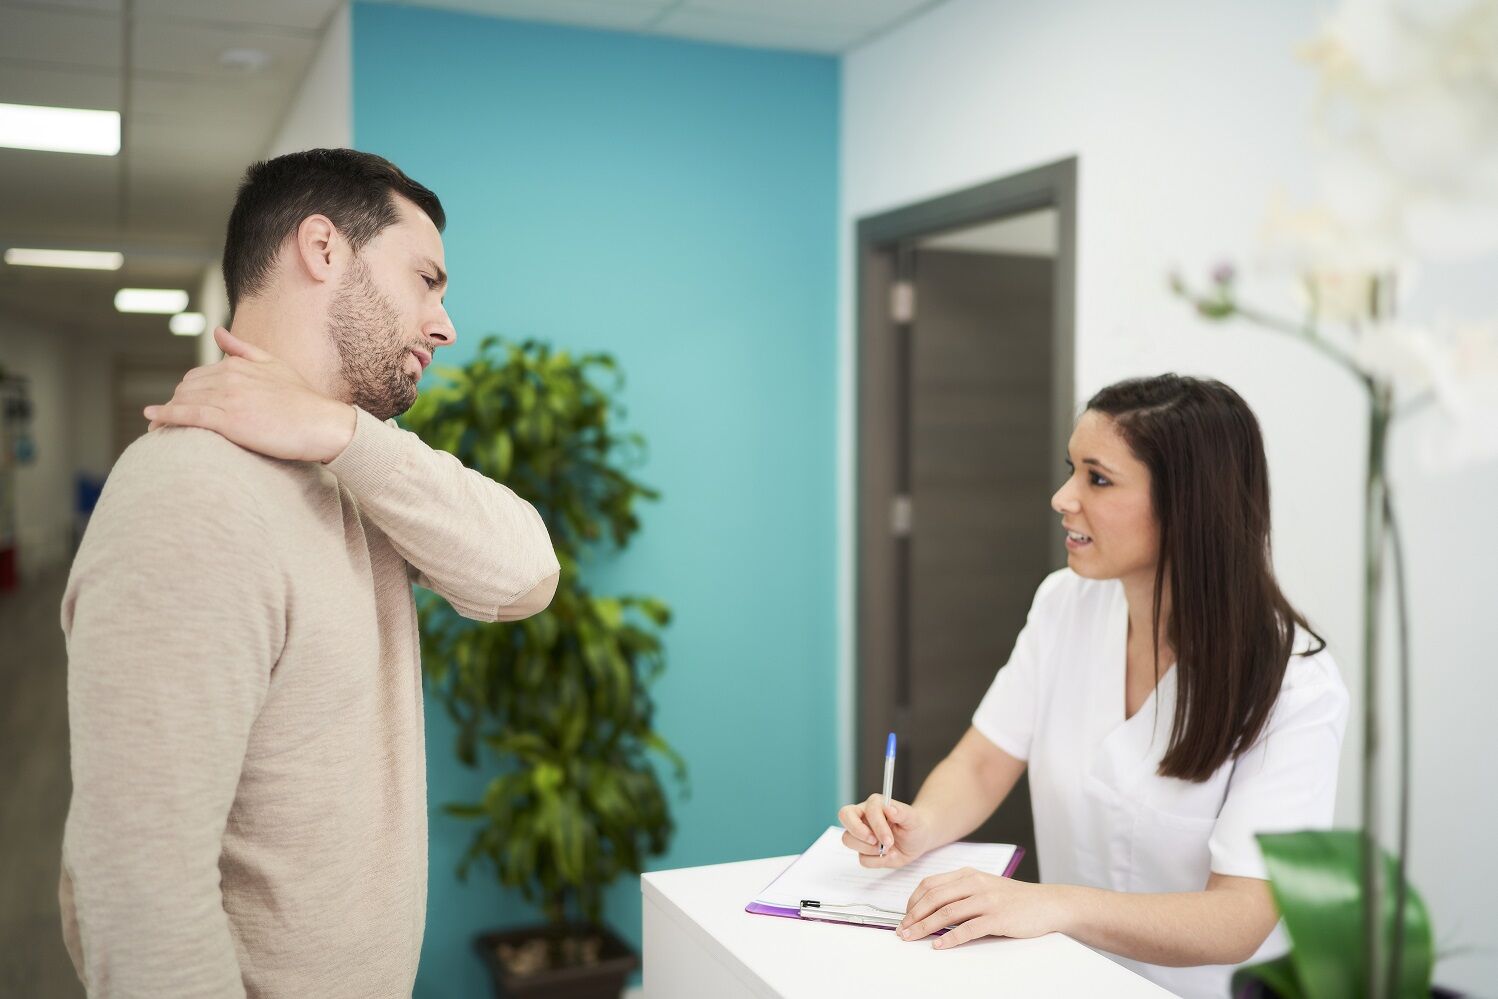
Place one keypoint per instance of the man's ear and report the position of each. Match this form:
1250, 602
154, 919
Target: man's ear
318, 247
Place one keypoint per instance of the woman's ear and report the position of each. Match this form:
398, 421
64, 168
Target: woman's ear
317, 246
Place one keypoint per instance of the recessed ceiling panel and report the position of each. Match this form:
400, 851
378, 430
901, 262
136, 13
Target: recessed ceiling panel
27, 83
61, 37
182, 47
618, 15
743, 29
305, 14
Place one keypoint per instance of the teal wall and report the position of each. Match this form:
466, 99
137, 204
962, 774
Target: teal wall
674, 203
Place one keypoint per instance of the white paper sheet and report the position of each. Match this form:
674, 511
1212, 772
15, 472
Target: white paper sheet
830, 873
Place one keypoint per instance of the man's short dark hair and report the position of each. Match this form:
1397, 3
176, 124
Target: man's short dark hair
355, 190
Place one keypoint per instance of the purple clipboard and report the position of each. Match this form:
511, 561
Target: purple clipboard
794, 912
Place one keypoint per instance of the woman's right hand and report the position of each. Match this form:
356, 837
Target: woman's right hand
902, 828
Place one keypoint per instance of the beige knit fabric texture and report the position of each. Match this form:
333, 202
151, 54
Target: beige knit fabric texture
249, 813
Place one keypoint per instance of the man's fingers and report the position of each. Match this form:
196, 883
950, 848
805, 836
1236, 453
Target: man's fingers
184, 415
235, 347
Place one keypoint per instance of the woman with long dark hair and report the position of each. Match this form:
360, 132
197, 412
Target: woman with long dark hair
1167, 700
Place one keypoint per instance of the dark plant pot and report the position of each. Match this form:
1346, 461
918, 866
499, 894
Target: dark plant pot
602, 975
1258, 990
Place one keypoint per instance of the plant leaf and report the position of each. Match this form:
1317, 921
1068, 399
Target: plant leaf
1316, 878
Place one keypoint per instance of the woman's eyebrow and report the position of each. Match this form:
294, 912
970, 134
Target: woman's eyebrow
1099, 464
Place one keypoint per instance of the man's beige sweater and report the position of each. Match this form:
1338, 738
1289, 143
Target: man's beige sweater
249, 811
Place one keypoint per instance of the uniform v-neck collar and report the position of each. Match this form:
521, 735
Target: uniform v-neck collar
1131, 748
1118, 647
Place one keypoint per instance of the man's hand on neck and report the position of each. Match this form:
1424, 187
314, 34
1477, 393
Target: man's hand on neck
260, 403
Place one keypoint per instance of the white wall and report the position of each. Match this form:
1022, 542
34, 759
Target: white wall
319, 116
1185, 118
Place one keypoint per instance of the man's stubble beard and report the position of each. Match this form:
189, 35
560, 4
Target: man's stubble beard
366, 330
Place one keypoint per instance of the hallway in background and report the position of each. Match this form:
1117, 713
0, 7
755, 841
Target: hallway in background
34, 791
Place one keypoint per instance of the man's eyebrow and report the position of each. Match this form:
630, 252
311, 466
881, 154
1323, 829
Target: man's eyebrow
441, 274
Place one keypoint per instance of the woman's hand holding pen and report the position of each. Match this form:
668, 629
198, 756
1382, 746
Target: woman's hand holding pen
902, 829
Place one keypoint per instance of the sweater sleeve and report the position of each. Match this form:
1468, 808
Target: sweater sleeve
470, 539
174, 616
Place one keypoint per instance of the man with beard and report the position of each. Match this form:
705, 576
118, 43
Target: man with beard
244, 686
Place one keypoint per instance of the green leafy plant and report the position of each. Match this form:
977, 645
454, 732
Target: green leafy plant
557, 704
1316, 877
1357, 927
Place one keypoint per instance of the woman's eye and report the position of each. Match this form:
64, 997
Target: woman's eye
1098, 480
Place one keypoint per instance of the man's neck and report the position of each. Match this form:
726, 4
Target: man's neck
281, 326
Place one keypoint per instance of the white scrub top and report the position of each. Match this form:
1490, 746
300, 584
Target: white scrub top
1104, 816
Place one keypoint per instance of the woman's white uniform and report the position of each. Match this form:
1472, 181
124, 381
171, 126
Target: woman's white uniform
1103, 815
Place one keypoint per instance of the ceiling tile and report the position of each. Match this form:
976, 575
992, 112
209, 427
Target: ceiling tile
736, 29
79, 310
39, 189
618, 15
248, 102
209, 152
865, 13
163, 207
302, 14
94, 6
62, 36
24, 83
180, 47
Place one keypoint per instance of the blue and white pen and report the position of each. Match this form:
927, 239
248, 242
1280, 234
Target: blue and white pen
889, 774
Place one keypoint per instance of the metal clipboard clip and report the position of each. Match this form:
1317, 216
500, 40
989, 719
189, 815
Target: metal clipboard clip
850, 912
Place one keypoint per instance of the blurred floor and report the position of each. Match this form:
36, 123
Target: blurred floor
34, 790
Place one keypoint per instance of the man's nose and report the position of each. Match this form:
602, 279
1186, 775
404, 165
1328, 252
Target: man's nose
441, 330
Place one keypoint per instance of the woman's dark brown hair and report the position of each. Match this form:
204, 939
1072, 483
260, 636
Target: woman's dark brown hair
1232, 629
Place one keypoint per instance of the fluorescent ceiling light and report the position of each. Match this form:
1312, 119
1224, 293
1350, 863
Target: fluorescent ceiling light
89, 260
188, 323
158, 301
60, 130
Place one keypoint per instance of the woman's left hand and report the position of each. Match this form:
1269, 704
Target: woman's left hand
979, 905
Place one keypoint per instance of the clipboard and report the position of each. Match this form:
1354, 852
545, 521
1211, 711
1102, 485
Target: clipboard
827, 883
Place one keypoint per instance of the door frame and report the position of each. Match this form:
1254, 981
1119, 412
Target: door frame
880, 665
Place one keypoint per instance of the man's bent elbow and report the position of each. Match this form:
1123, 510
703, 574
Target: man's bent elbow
533, 601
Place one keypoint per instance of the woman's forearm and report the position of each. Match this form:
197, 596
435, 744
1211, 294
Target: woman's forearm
964, 789
1222, 925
